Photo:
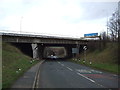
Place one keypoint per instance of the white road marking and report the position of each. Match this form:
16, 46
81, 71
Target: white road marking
88, 71
91, 80
114, 75
83, 71
36, 79
62, 64
95, 71
69, 69
66, 67
100, 85
59, 62
86, 77
37, 83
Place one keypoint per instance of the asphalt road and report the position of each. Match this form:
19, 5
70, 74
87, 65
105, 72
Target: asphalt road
65, 74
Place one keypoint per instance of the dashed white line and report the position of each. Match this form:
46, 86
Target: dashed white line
114, 75
59, 62
86, 77
66, 67
62, 64
69, 69
91, 80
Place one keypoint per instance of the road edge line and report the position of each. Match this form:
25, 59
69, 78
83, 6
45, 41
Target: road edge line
36, 75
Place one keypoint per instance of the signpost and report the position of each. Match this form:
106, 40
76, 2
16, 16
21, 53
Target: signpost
91, 35
85, 48
75, 51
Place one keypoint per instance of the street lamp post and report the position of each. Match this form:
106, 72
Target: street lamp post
21, 24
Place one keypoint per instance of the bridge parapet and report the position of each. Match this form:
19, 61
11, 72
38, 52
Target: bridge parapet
14, 38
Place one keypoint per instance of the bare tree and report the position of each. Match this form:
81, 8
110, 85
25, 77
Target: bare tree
114, 26
119, 21
103, 36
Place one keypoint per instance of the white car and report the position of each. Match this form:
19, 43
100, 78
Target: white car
53, 57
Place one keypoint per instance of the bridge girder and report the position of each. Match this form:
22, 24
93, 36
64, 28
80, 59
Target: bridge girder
23, 39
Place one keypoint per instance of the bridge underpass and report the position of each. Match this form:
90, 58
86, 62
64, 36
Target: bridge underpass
38, 51
67, 50
61, 74
54, 52
34, 45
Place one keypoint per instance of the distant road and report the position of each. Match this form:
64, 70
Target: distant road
65, 74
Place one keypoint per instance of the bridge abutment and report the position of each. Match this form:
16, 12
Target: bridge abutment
26, 48
40, 51
69, 51
35, 51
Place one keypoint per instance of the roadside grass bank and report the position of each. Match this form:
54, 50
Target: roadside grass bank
14, 64
113, 68
106, 59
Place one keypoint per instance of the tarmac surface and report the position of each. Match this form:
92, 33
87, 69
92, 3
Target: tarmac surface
65, 74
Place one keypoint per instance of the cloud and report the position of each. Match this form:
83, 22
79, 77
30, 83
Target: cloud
52, 14
54, 17
97, 10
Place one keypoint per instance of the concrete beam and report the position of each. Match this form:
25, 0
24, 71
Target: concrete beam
19, 39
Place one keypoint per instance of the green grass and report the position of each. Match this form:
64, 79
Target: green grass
102, 66
12, 59
107, 59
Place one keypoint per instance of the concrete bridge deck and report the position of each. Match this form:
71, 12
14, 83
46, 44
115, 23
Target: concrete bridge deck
31, 38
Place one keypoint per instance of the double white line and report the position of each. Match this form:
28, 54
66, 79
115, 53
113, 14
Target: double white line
36, 79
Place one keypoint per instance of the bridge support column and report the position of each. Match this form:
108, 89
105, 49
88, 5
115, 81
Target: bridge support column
40, 51
69, 51
78, 50
35, 51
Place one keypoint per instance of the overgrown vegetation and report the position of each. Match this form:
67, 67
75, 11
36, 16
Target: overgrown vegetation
104, 53
105, 59
14, 64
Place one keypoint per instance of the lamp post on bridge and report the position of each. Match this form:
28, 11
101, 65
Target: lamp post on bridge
21, 24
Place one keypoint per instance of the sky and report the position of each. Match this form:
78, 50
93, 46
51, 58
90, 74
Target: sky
71, 18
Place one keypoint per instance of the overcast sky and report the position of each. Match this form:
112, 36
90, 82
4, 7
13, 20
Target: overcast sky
72, 18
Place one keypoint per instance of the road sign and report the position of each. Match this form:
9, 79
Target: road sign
75, 50
85, 47
91, 35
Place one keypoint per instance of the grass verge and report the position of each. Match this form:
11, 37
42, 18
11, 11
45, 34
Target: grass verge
113, 68
106, 59
14, 64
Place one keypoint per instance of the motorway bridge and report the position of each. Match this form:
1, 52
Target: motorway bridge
58, 73
34, 45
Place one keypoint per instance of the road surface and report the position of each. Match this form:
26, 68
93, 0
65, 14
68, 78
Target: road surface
65, 74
